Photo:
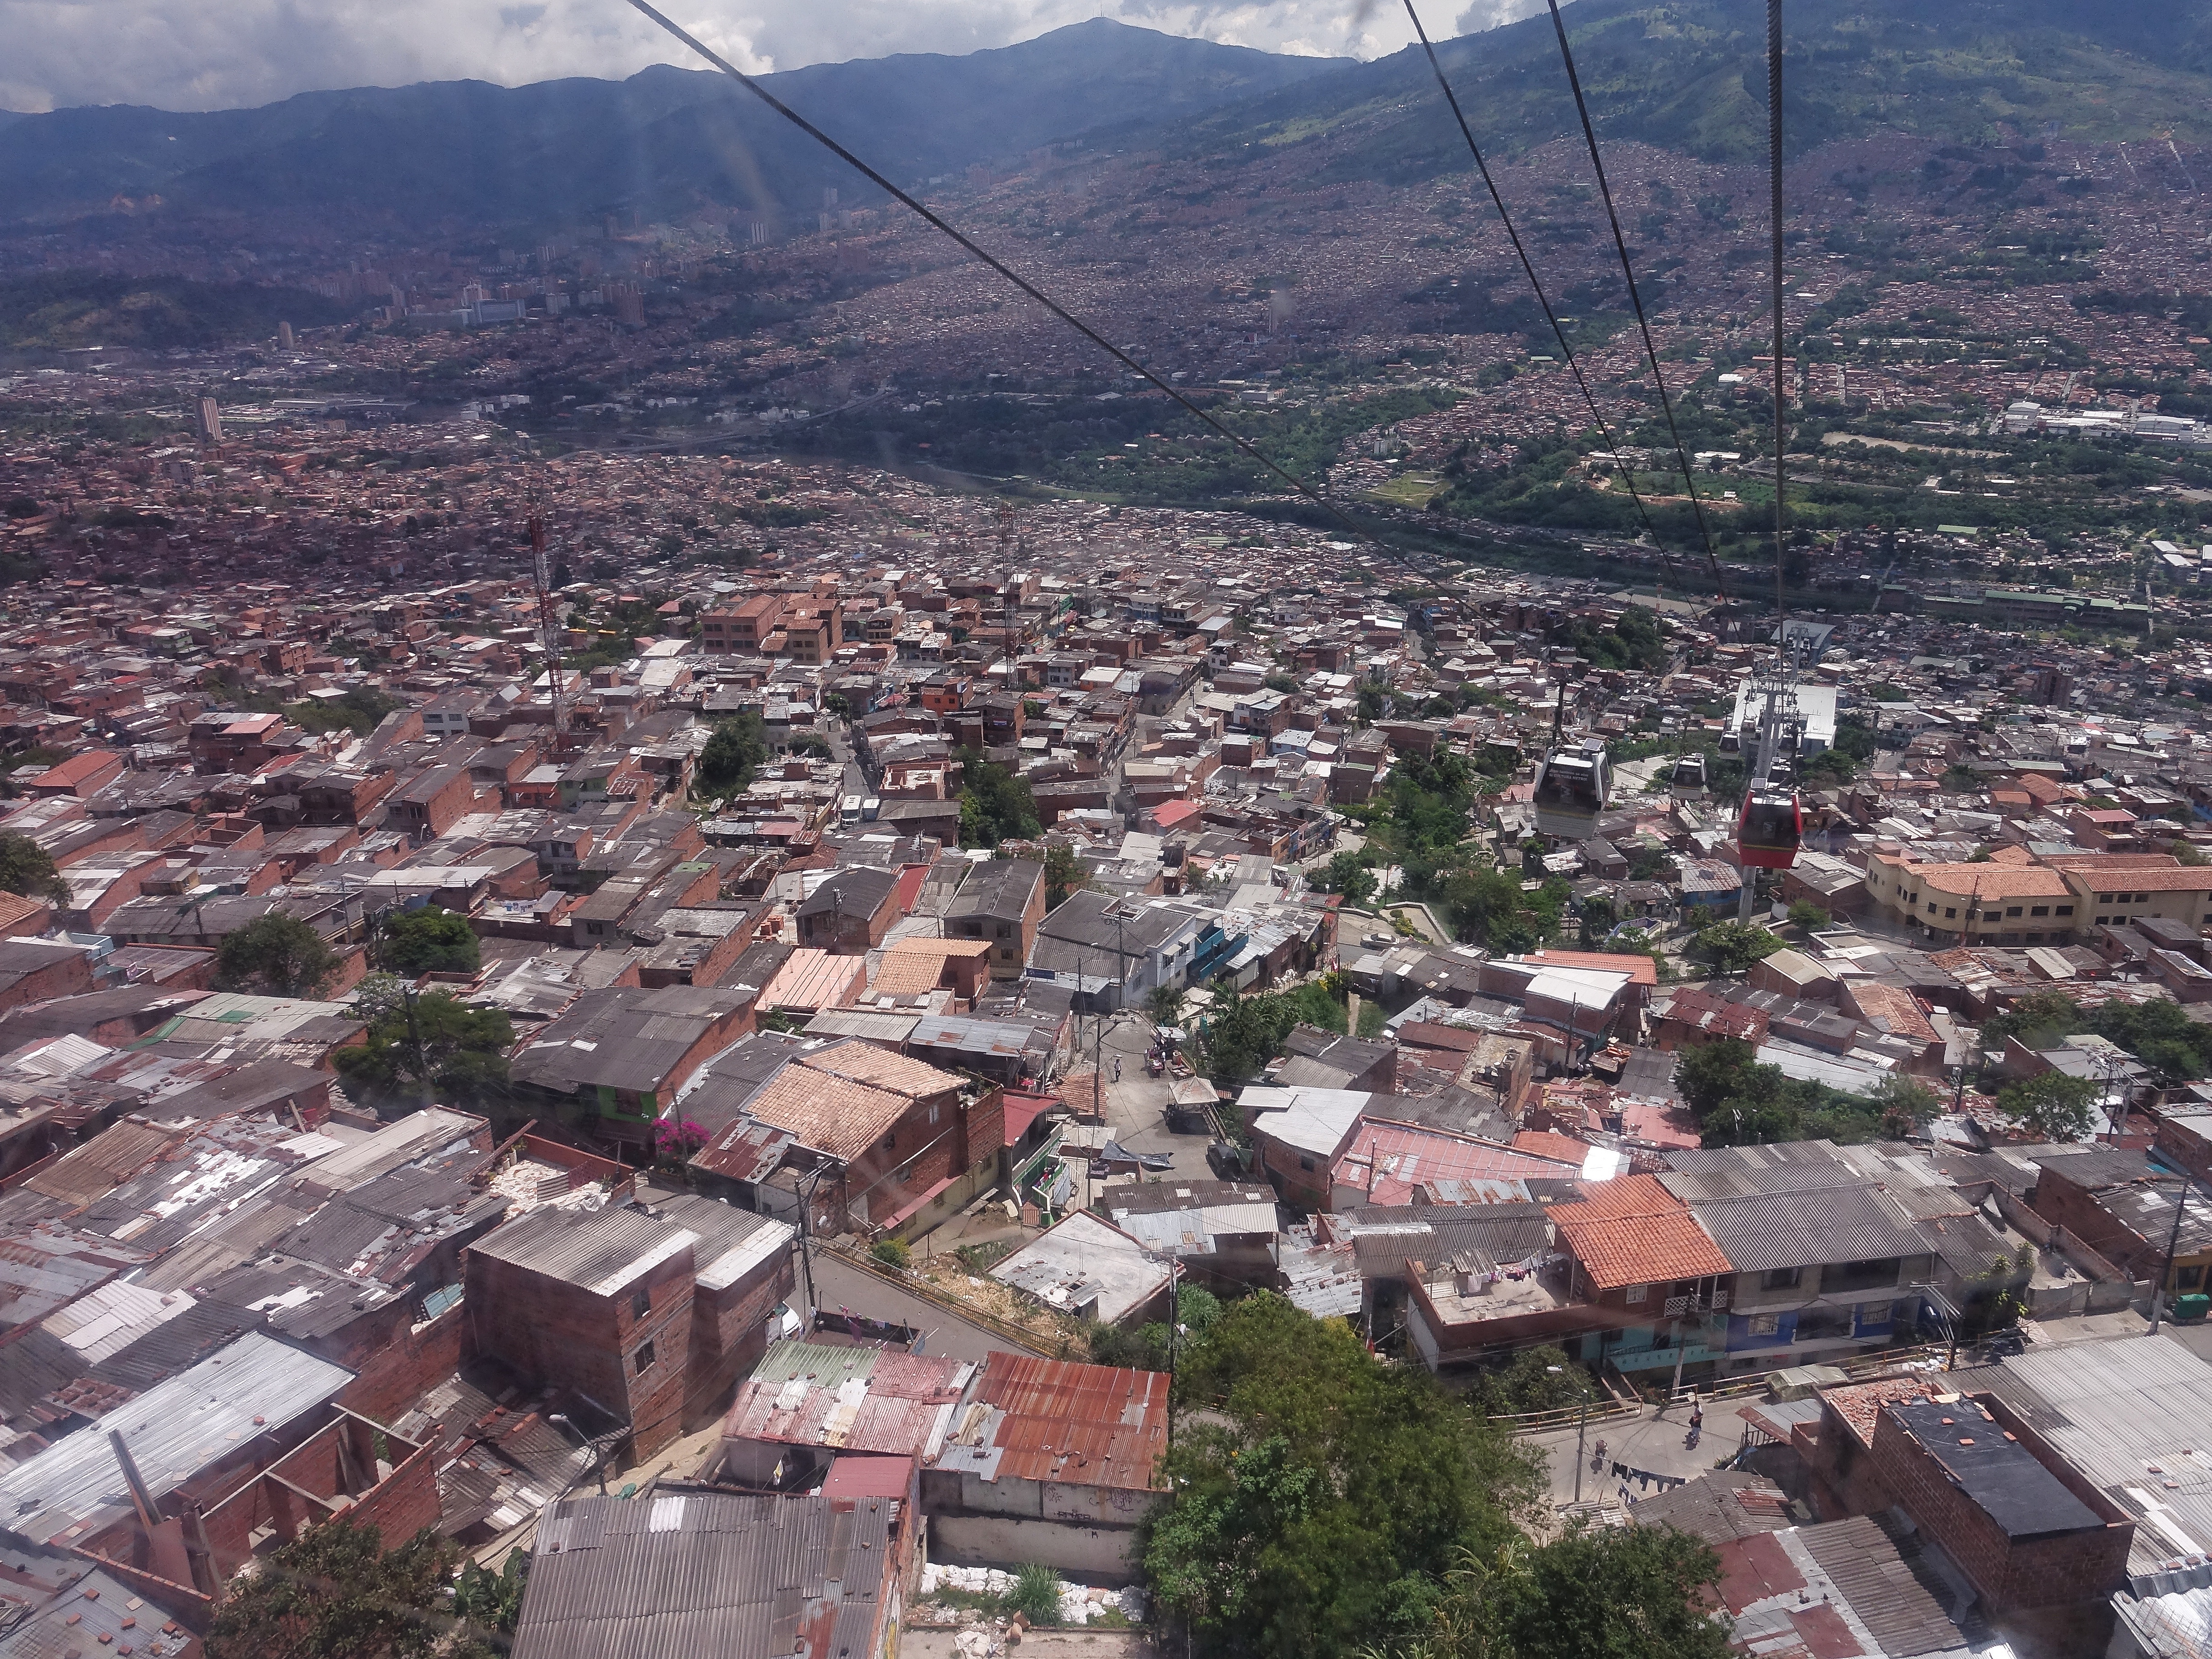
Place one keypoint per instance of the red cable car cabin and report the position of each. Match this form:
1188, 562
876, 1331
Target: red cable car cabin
1768, 832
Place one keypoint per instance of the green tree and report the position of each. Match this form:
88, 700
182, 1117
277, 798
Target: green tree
1808, 915
1166, 1005
2159, 1034
27, 868
1907, 1106
2050, 1106
1621, 1593
493, 1600
734, 754
1539, 1379
995, 804
1064, 874
276, 953
462, 1050
2038, 1019
1709, 1074
1733, 947
1319, 1501
1599, 918
1348, 874
430, 940
332, 1593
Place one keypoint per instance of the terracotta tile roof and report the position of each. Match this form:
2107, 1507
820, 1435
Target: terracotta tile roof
1992, 880
1631, 1231
914, 966
1640, 969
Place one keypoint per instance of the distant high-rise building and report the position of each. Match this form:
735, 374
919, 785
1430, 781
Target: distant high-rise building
829, 197
629, 304
209, 422
284, 336
759, 235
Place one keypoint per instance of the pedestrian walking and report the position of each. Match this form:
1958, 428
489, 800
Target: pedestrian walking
1117, 1068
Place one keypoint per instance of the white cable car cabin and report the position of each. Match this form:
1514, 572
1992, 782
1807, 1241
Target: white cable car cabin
1572, 788
1688, 778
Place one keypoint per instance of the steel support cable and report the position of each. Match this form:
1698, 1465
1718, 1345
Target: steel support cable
1574, 363
1774, 188
1004, 270
1635, 299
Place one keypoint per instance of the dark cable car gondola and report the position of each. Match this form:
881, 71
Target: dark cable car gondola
1770, 830
1572, 788
1688, 778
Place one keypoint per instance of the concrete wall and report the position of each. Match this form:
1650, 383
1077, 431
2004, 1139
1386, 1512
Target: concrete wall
1105, 1554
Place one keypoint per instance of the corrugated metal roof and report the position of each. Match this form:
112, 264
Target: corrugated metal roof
599, 1250
2129, 1414
862, 1399
1765, 1231
686, 1573
92, 1170
1899, 1602
174, 1431
1097, 1426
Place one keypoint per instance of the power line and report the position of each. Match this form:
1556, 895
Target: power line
1635, 299
1004, 270
1574, 364
1774, 189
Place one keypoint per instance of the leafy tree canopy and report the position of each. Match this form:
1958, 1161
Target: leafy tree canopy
1733, 947
332, 1593
277, 954
1243, 1033
27, 868
734, 752
1322, 1498
463, 1050
995, 804
429, 941
2054, 1106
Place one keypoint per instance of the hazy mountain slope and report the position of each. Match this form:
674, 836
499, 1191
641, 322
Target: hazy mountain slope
662, 140
1690, 74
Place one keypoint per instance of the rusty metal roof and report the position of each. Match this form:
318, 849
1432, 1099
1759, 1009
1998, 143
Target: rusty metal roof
1056, 1419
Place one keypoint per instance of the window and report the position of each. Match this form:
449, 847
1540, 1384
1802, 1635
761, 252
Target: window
645, 1359
2039, 910
2035, 939
2104, 898
2015, 911
1635, 1294
2101, 921
2065, 909
1780, 1278
1305, 1162
1931, 908
1767, 1324
640, 1301
2189, 1279
1949, 911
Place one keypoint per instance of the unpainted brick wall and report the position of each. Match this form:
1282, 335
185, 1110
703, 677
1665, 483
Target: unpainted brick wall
415, 1361
729, 1334
2010, 1573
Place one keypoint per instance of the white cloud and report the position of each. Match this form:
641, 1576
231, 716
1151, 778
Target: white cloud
219, 54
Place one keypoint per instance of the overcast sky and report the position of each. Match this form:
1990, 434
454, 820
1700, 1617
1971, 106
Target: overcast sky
223, 54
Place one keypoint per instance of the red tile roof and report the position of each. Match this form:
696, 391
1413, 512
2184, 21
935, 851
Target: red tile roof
1631, 1231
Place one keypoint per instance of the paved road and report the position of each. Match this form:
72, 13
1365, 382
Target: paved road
1646, 1441
839, 1285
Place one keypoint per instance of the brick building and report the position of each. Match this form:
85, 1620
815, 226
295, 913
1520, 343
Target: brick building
874, 1140
653, 1312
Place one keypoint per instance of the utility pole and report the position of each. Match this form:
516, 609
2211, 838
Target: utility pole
2172, 1243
